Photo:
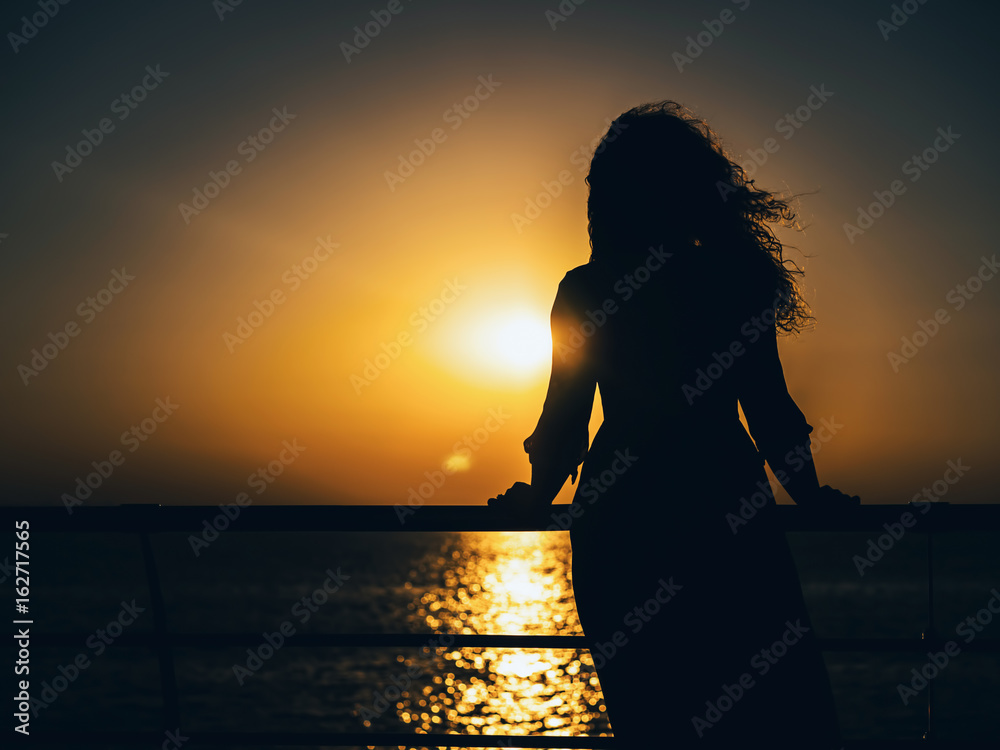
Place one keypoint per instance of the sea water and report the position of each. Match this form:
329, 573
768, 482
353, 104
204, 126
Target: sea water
281, 585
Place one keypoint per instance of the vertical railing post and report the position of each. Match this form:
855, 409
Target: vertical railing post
168, 679
929, 634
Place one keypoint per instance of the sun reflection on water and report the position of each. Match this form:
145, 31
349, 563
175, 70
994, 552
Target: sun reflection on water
515, 583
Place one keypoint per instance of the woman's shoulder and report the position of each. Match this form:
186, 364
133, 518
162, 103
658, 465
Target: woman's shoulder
582, 282
577, 288
581, 273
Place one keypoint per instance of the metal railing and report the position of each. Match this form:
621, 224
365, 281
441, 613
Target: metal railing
145, 520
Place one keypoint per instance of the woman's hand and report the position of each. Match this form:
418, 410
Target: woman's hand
827, 498
520, 501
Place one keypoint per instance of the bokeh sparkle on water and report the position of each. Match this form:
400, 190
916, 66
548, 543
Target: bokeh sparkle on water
512, 584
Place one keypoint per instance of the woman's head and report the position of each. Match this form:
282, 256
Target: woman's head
661, 176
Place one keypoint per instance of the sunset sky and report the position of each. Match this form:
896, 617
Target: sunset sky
390, 217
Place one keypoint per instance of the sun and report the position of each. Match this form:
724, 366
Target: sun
518, 342
512, 343
499, 344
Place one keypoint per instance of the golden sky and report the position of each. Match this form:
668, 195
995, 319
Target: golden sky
407, 214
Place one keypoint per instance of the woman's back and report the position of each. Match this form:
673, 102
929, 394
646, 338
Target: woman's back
668, 336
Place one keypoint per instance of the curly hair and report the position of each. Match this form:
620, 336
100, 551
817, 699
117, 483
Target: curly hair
660, 174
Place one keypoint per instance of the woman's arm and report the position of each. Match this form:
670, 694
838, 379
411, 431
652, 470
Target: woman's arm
777, 425
560, 440
548, 475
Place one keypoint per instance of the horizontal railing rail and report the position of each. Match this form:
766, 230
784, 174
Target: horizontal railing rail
179, 518
419, 640
154, 740
152, 519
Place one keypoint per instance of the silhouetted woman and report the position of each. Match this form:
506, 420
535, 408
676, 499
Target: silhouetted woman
686, 590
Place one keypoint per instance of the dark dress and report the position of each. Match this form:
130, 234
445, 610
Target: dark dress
696, 621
